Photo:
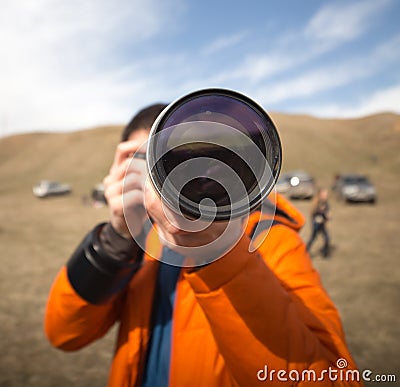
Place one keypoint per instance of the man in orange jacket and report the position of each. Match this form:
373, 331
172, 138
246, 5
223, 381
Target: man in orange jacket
247, 318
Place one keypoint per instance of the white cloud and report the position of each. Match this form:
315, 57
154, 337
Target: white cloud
384, 100
58, 70
332, 25
341, 22
255, 68
318, 80
307, 84
323, 78
386, 52
223, 43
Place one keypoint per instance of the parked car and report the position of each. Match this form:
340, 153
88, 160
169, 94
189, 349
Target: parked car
50, 188
296, 185
98, 194
354, 188
283, 184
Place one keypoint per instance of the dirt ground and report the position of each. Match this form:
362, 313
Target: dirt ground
37, 236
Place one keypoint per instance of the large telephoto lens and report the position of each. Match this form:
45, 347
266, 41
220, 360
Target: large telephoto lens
213, 154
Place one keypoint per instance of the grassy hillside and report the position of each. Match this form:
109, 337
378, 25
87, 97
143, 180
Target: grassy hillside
81, 158
368, 145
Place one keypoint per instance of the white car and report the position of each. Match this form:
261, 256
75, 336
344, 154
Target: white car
297, 185
50, 188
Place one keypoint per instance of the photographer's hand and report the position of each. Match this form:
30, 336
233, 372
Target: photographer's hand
177, 232
124, 188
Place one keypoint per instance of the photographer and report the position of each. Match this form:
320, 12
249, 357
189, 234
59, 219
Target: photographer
320, 214
213, 325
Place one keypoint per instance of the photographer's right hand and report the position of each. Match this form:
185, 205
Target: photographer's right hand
124, 189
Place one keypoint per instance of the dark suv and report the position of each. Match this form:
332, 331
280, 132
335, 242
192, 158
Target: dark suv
354, 188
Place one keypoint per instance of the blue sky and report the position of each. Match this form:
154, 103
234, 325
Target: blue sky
80, 63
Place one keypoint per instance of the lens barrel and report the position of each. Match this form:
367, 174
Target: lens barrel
214, 154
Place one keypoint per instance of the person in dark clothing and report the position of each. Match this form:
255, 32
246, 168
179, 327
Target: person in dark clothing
320, 214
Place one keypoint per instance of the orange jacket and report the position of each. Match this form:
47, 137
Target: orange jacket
236, 322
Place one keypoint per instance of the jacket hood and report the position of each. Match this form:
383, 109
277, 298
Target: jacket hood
286, 213
279, 210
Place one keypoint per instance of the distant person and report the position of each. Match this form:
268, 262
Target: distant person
320, 214
335, 182
242, 319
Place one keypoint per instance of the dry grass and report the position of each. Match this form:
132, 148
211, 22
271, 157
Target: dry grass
37, 236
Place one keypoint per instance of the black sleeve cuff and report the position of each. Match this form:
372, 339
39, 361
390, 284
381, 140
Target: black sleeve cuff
94, 274
116, 246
